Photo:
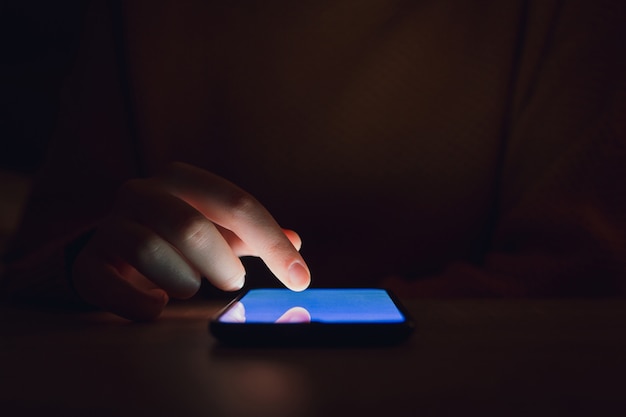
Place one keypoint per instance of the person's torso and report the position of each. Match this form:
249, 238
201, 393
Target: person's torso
373, 128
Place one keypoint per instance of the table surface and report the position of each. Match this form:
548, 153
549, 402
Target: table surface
466, 357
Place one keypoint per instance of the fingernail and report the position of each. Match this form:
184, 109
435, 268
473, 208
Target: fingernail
298, 276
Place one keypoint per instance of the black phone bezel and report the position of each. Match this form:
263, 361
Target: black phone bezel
312, 334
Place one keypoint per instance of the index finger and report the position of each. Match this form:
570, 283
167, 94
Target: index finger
234, 209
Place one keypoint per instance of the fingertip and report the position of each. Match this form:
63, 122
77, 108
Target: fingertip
102, 285
233, 284
151, 307
159, 296
186, 288
299, 277
238, 283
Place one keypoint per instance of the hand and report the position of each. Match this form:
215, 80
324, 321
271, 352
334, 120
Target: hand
165, 232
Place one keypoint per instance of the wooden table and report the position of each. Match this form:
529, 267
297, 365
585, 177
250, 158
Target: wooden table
467, 357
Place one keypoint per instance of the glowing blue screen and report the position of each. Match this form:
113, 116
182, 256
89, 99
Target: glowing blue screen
315, 305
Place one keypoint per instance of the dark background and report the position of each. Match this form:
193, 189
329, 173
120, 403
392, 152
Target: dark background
38, 40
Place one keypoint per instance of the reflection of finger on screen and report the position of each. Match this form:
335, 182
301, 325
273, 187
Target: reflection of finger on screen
295, 315
235, 314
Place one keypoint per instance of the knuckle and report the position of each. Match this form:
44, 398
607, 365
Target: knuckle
150, 247
196, 231
242, 205
276, 248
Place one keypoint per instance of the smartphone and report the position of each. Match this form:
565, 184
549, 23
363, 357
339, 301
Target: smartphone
316, 316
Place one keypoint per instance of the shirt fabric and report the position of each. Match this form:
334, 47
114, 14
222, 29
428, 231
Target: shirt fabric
471, 148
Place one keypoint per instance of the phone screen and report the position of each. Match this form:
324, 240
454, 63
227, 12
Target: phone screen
317, 316
366, 305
